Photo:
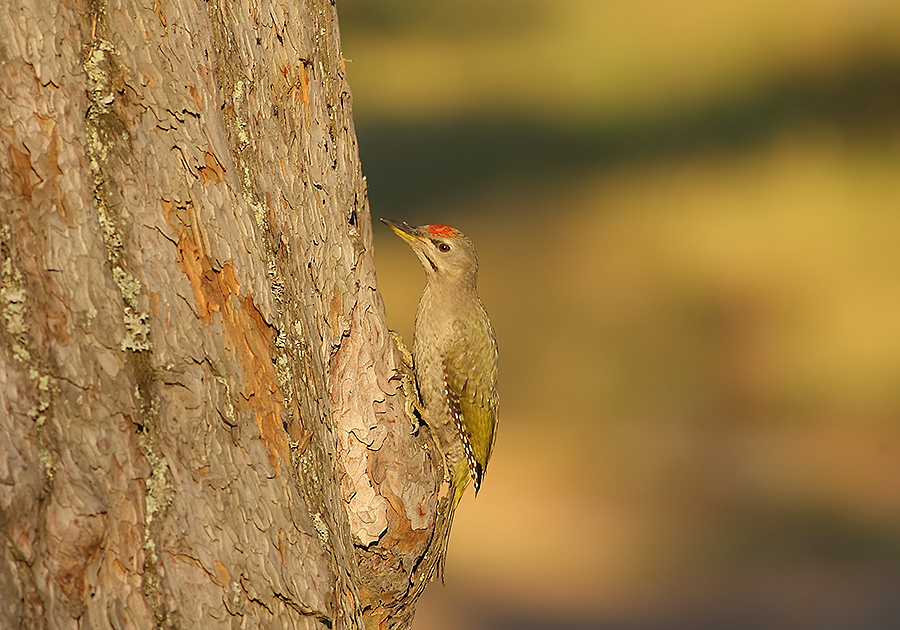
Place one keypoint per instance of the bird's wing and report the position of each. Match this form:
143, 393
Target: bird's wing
471, 392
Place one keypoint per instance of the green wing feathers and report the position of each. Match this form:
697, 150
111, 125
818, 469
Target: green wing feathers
470, 372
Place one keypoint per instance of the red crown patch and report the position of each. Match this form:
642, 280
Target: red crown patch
443, 231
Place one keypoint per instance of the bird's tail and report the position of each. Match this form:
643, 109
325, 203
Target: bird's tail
461, 478
445, 543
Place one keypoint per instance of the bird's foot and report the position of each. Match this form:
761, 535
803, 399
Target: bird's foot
407, 375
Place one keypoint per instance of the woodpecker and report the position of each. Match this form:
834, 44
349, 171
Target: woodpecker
454, 353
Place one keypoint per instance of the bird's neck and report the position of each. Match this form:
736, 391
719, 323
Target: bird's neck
440, 299
444, 288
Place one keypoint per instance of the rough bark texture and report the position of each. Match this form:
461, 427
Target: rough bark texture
199, 420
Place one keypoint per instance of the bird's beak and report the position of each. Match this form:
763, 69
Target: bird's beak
404, 230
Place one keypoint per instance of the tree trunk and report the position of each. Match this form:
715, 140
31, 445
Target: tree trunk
200, 424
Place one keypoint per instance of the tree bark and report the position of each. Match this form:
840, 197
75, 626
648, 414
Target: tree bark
200, 420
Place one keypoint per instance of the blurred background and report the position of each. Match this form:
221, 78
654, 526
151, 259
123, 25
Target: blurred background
688, 218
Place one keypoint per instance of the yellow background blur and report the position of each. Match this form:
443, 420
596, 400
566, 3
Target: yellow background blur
688, 218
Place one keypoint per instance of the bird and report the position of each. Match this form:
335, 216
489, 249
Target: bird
455, 355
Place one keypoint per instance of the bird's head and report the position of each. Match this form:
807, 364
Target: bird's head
445, 252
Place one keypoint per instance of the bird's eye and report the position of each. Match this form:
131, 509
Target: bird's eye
444, 247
